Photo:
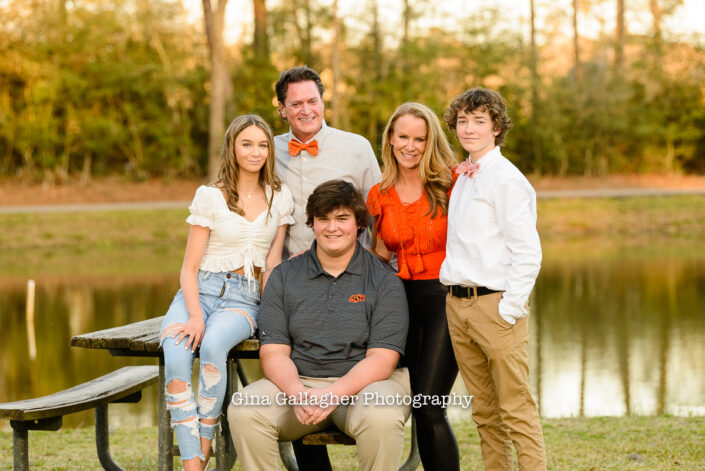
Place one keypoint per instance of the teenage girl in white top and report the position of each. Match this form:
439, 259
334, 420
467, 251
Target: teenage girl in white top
238, 224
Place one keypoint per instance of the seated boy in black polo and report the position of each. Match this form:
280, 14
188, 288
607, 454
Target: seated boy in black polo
333, 325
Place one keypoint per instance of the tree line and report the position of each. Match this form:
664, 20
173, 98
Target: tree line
101, 87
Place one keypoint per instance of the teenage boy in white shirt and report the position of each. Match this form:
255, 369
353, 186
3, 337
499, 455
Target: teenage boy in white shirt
493, 255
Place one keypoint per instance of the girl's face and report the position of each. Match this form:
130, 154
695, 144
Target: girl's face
251, 149
408, 141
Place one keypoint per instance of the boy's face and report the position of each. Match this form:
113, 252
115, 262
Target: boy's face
476, 132
336, 232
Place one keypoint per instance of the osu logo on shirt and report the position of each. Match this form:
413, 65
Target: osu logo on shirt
356, 298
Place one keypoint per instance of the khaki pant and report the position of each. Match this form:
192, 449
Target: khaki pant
377, 428
493, 359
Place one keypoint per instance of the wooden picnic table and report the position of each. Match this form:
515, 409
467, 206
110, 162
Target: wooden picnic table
141, 339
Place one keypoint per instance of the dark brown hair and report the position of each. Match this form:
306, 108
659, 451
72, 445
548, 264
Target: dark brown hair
295, 75
481, 99
336, 194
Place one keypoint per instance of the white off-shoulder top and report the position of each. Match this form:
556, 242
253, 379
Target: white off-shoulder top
234, 241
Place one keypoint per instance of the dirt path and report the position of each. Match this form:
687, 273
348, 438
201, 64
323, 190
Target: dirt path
117, 193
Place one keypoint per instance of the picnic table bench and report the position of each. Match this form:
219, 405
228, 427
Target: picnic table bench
46, 413
142, 339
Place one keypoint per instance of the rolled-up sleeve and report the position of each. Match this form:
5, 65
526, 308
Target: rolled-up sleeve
285, 207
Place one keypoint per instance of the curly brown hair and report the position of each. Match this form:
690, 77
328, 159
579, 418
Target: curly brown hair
229, 168
481, 99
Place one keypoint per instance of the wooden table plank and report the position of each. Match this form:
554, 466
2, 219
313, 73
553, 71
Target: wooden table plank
142, 339
143, 336
119, 337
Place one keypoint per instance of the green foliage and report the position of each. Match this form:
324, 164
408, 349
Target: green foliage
114, 89
121, 87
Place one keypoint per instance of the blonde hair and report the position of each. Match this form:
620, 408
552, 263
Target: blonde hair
230, 170
437, 159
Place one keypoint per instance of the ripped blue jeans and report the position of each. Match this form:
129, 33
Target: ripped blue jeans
230, 306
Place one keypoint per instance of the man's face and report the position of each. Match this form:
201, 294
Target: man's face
303, 109
336, 232
476, 132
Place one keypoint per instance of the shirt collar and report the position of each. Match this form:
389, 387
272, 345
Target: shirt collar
318, 137
354, 266
487, 159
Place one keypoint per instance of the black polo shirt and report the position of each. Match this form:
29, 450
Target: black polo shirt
330, 322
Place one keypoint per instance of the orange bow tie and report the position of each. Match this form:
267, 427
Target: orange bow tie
295, 147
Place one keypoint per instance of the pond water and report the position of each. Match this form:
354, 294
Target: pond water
615, 330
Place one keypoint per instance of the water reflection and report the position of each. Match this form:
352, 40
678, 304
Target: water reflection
620, 335
613, 333
65, 308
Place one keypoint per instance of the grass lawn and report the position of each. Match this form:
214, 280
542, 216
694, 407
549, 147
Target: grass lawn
604, 443
664, 217
152, 241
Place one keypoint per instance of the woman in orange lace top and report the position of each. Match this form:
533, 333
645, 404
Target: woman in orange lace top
410, 207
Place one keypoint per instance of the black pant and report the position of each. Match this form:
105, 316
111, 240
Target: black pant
432, 369
311, 457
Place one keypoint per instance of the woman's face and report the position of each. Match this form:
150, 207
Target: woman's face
251, 149
408, 141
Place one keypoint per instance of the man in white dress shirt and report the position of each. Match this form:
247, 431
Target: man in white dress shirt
312, 152
493, 255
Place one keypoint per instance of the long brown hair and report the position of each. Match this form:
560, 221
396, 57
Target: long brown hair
437, 159
230, 170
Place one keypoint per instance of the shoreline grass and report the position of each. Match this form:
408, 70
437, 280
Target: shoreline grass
130, 242
572, 444
642, 219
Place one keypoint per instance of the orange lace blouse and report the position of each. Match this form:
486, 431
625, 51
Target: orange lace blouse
407, 229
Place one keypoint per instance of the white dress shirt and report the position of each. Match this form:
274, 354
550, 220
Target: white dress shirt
341, 155
492, 237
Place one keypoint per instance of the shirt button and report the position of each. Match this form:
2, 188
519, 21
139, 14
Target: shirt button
228, 275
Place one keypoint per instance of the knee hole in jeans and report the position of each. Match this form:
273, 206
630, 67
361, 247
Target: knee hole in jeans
190, 423
206, 404
210, 375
